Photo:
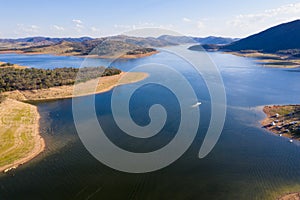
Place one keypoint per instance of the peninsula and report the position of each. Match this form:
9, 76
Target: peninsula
283, 120
275, 47
20, 140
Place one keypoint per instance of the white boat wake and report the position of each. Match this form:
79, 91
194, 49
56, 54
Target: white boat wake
196, 105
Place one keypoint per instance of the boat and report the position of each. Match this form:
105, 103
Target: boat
196, 105
291, 141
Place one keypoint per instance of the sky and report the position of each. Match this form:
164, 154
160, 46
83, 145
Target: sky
98, 18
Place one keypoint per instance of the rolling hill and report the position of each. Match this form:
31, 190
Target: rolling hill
103, 47
212, 40
284, 37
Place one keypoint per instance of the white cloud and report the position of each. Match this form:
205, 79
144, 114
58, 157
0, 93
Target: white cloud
122, 26
58, 28
185, 19
94, 29
285, 12
77, 21
167, 26
78, 25
247, 24
140, 25
27, 29
285, 9
200, 24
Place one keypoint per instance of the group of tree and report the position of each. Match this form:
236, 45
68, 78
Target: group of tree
140, 51
33, 78
6, 65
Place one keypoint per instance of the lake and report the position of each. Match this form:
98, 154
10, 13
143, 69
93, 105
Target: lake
247, 162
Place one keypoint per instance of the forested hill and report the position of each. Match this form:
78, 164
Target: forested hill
278, 38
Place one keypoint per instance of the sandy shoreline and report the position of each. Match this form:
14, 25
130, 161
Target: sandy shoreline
103, 84
269, 60
290, 196
32, 131
16, 66
122, 56
12, 102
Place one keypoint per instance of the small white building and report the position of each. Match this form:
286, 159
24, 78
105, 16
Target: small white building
273, 124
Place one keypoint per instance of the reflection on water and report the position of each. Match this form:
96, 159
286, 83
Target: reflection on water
247, 162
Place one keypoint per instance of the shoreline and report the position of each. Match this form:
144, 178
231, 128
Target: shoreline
268, 60
122, 56
282, 120
290, 196
12, 101
39, 143
103, 84
16, 66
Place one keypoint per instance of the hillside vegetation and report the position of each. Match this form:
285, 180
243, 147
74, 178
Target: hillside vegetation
284, 38
31, 78
105, 47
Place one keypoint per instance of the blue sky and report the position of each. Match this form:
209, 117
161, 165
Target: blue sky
63, 18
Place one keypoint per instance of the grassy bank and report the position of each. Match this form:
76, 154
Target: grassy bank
19, 122
19, 133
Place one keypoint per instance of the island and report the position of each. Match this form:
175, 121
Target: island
20, 140
283, 120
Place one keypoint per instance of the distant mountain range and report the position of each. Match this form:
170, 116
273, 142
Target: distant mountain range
163, 40
45, 39
280, 39
105, 47
284, 37
200, 40
215, 40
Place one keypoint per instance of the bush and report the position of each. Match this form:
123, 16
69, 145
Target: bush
32, 78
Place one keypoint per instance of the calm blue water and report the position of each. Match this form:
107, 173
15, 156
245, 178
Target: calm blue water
247, 162
46, 61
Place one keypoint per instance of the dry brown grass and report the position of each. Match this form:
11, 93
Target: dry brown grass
292, 196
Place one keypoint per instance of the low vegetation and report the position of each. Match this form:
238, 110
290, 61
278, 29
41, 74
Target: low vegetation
284, 120
19, 138
32, 78
102, 47
6, 65
140, 51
